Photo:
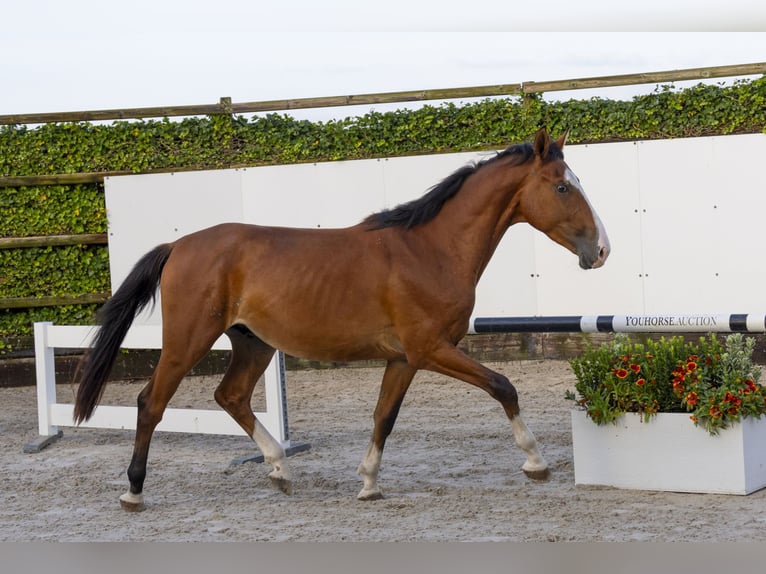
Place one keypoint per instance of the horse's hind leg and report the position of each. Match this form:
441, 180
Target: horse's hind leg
396, 381
184, 342
152, 401
249, 359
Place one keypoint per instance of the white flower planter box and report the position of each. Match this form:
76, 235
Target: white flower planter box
669, 453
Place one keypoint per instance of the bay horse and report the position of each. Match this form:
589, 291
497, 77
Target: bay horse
399, 286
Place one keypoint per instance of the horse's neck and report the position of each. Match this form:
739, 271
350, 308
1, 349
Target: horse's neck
473, 222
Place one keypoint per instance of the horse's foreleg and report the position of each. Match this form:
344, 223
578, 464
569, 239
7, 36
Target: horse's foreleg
450, 361
535, 466
396, 381
249, 359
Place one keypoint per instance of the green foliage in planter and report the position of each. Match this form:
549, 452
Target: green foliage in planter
224, 140
713, 380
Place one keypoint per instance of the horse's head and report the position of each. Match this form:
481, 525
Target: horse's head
552, 200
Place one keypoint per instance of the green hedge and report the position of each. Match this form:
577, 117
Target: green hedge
224, 141
51, 210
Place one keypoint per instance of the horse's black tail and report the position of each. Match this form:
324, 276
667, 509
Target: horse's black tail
115, 318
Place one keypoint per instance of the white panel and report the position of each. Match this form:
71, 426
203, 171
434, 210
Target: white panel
679, 234
508, 286
146, 210
609, 176
739, 206
408, 178
336, 194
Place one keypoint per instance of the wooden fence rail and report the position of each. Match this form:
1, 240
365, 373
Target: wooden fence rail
53, 240
81, 178
52, 300
225, 106
646, 78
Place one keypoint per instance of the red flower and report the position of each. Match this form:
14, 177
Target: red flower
641, 382
691, 366
733, 410
692, 399
635, 368
620, 373
715, 412
733, 399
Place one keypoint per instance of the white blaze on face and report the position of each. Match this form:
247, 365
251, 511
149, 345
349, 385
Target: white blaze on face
603, 240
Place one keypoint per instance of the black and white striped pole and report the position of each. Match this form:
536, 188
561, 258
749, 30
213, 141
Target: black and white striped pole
698, 323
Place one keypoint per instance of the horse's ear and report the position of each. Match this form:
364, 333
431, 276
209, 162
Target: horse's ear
542, 142
562, 140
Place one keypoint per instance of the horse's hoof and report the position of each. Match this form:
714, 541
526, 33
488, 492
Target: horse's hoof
132, 502
370, 494
541, 475
283, 484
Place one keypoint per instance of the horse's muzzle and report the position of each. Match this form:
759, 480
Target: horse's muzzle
593, 259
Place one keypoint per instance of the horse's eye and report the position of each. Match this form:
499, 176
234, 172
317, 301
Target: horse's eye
562, 188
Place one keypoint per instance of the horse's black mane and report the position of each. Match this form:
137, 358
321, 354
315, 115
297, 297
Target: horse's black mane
425, 208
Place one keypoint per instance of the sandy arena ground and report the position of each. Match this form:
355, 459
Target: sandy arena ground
450, 473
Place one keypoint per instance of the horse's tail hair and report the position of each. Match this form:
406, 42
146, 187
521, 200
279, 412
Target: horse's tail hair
115, 318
